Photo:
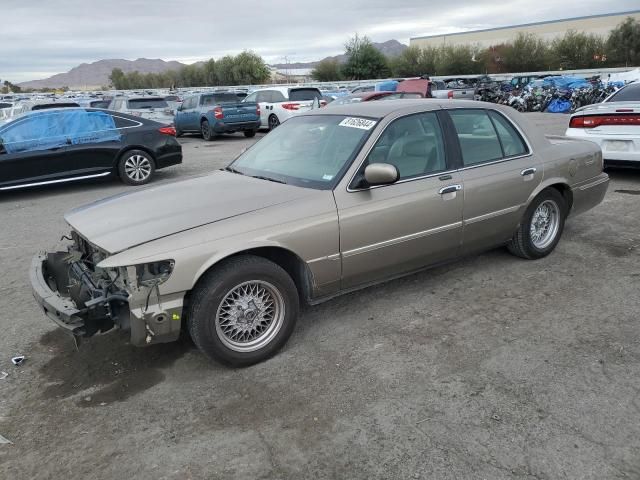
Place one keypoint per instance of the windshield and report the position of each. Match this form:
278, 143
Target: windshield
304, 94
309, 151
147, 103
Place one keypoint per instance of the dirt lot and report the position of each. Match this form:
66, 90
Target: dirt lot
489, 368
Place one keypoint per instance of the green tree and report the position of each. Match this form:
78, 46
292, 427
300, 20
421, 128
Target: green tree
327, 70
224, 70
249, 69
623, 44
456, 60
363, 60
414, 62
577, 50
118, 79
210, 76
526, 53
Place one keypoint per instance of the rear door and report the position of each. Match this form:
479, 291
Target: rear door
499, 173
94, 141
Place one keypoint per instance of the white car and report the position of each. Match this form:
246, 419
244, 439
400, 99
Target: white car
614, 125
277, 104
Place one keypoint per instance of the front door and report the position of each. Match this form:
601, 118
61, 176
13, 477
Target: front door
417, 221
33, 149
499, 173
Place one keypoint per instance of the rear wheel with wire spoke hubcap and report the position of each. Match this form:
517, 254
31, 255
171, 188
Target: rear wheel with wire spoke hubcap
541, 226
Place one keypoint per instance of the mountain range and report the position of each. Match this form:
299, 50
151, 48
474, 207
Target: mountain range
390, 48
96, 74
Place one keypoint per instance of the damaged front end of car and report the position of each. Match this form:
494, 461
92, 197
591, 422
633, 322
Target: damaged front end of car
85, 299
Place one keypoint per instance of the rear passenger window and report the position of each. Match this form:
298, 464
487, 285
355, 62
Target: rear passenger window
512, 143
124, 122
277, 97
478, 139
413, 144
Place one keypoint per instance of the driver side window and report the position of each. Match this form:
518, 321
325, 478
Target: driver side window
414, 144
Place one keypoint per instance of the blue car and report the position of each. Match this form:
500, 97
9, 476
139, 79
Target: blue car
215, 113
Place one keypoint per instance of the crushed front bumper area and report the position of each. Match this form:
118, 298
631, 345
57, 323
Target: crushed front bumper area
61, 310
70, 295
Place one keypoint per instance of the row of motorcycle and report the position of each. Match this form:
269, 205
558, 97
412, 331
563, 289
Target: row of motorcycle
545, 98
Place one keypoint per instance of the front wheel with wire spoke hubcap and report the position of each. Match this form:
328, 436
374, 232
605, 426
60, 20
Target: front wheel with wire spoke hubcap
136, 167
243, 310
541, 227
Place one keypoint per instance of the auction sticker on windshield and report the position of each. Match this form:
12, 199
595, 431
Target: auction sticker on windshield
353, 122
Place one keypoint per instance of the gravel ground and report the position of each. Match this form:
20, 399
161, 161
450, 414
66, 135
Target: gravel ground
489, 368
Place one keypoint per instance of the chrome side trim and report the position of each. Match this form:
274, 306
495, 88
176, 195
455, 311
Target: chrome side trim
593, 184
422, 177
494, 162
332, 257
489, 215
49, 182
404, 238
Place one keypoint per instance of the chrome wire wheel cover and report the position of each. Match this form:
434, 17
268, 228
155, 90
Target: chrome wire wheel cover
250, 316
137, 167
545, 224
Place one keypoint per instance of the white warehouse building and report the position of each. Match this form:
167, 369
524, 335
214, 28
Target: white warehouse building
596, 24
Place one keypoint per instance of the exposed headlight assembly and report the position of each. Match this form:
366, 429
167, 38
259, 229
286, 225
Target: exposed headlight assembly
155, 273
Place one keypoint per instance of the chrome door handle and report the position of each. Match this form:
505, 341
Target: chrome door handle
450, 189
528, 171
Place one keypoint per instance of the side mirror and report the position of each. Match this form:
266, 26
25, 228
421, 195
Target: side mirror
179, 109
381, 174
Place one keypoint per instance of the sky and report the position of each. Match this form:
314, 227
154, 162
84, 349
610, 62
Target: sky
39, 38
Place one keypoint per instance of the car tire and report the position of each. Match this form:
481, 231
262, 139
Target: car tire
136, 167
249, 133
541, 226
205, 130
274, 121
248, 282
179, 133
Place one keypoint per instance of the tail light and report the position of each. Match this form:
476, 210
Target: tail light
217, 113
258, 109
168, 130
593, 121
450, 94
291, 106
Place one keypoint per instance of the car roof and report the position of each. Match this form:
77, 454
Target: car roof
285, 89
403, 105
388, 107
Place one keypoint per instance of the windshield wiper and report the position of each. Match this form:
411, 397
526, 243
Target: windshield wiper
268, 178
233, 170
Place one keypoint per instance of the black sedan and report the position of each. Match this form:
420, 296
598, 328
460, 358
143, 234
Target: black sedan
71, 144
